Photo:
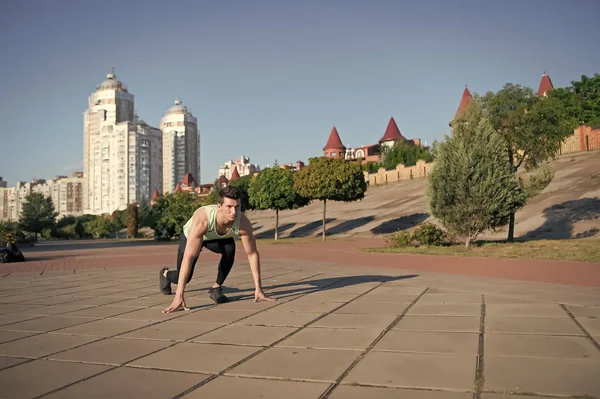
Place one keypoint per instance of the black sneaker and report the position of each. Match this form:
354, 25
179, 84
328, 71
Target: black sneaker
216, 294
163, 284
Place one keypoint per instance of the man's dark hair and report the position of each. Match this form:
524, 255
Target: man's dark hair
228, 192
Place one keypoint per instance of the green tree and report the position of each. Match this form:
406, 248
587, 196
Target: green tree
531, 126
172, 211
37, 213
145, 215
581, 100
330, 179
472, 187
242, 184
273, 188
132, 220
404, 153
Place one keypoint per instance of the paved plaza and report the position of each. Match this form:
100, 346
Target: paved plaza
337, 331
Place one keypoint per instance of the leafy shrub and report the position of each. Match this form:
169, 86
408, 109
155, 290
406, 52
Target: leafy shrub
400, 239
429, 234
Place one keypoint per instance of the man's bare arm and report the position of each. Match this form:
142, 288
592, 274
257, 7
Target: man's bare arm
249, 243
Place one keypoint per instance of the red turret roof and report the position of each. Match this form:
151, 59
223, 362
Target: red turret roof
155, 194
188, 180
464, 103
334, 141
235, 175
392, 132
178, 188
545, 85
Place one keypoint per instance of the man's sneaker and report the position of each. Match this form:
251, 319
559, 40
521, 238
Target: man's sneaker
216, 294
163, 284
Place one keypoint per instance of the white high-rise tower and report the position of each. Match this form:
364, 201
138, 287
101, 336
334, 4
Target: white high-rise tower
181, 146
117, 151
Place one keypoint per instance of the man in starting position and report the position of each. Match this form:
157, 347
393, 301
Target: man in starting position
213, 227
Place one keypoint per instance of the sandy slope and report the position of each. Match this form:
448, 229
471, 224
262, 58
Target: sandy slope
568, 207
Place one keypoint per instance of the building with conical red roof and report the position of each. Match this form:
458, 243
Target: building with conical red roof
334, 147
234, 175
465, 100
365, 153
391, 135
155, 196
545, 85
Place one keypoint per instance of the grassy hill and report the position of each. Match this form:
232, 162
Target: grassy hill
569, 207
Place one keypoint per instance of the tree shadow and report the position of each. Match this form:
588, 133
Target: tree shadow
305, 230
401, 223
348, 225
256, 228
271, 232
561, 218
306, 286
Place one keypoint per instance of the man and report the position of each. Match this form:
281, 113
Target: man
213, 227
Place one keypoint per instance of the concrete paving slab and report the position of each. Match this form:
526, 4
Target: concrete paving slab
532, 325
415, 370
148, 314
448, 309
103, 327
171, 331
450, 298
238, 387
55, 309
6, 336
6, 319
543, 376
539, 346
110, 351
246, 335
214, 315
10, 361
581, 311
126, 382
357, 392
591, 325
41, 376
525, 310
17, 308
439, 323
280, 318
319, 365
98, 312
331, 338
196, 357
385, 298
400, 289
428, 341
382, 308
374, 321
42, 345
45, 324
305, 305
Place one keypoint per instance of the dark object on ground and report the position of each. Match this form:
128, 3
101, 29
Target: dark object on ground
11, 254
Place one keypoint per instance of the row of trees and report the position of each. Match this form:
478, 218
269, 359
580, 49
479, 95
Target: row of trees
275, 189
474, 186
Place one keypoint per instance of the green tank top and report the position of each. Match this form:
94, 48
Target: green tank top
211, 233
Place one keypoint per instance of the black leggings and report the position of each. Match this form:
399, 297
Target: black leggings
225, 247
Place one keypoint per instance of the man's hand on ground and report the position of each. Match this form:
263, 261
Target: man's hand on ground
259, 295
176, 304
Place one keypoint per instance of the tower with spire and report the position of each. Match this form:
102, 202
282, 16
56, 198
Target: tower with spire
334, 147
465, 100
545, 85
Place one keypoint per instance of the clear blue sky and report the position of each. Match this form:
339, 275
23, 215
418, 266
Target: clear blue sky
269, 79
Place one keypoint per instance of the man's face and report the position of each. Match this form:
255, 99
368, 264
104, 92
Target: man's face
230, 208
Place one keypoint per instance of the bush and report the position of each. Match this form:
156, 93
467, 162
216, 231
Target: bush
539, 180
400, 239
429, 234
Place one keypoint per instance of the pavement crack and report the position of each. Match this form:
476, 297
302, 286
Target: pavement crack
479, 375
587, 334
